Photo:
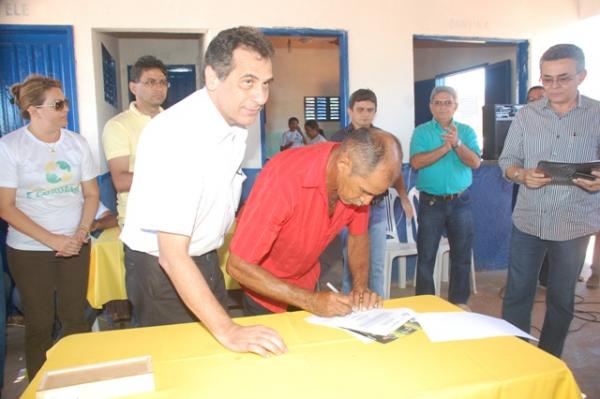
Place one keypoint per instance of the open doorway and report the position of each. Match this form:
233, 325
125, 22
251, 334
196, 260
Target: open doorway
308, 63
471, 86
484, 71
116, 52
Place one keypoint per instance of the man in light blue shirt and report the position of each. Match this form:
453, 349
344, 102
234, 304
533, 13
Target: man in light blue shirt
445, 152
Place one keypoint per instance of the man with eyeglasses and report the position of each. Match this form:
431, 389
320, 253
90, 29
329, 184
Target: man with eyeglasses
148, 83
444, 152
551, 219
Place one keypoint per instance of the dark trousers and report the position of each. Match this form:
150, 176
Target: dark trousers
565, 260
153, 297
456, 217
543, 277
39, 276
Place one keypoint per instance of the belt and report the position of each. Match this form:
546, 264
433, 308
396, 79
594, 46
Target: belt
445, 197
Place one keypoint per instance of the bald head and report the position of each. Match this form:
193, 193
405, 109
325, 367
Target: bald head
370, 149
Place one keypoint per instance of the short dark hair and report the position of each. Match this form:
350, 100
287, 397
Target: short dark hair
143, 64
362, 95
367, 148
292, 119
219, 55
562, 51
311, 123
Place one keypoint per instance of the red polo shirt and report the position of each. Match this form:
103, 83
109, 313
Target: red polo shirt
285, 225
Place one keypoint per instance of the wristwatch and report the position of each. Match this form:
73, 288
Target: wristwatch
458, 144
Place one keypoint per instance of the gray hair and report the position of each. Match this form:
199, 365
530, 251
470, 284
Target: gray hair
368, 147
562, 51
443, 89
219, 54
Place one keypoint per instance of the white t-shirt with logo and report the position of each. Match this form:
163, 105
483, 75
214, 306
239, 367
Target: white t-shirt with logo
48, 181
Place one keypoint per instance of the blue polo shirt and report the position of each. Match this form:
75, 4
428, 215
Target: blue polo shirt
448, 175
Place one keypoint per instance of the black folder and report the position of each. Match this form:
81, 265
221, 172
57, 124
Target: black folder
564, 173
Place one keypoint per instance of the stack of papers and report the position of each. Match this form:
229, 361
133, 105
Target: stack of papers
374, 324
384, 325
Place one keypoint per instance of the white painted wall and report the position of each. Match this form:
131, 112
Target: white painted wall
380, 34
584, 34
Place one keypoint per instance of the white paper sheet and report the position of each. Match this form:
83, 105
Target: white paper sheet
374, 321
456, 326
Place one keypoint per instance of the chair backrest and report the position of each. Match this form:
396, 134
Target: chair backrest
392, 230
413, 197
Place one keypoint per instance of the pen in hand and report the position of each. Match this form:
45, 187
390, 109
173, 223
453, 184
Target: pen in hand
332, 288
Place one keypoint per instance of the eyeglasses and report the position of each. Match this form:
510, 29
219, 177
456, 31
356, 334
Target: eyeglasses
438, 103
561, 80
155, 83
58, 105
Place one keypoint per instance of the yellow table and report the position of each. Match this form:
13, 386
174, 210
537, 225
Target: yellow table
326, 363
107, 269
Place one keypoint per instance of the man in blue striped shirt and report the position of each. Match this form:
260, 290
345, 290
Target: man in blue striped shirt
551, 219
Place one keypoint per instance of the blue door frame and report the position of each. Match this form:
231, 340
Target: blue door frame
43, 49
342, 37
522, 57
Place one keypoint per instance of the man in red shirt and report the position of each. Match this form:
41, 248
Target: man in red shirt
299, 203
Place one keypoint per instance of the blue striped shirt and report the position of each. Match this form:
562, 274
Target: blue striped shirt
555, 212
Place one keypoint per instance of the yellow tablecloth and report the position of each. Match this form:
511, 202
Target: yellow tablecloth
326, 363
107, 270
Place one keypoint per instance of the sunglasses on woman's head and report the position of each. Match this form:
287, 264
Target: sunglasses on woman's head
58, 105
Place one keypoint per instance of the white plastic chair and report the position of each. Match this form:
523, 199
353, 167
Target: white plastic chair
444, 259
393, 247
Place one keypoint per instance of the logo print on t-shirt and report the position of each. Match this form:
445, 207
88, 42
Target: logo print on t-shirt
58, 171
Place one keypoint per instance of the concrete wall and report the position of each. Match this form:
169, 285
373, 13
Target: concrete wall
380, 35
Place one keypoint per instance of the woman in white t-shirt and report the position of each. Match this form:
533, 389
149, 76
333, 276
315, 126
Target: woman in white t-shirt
49, 197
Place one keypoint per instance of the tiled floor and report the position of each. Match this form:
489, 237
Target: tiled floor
582, 350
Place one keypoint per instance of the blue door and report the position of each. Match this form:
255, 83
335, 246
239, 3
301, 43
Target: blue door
42, 49
26, 49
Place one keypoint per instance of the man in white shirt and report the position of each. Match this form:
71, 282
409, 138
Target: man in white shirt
186, 189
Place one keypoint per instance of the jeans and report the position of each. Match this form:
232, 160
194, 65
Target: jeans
525, 259
377, 238
455, 216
